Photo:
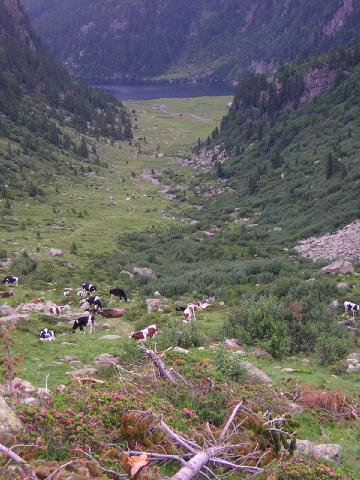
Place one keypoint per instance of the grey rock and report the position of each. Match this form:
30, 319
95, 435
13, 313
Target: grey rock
129, 274
339, 266
322, 451
6, 310
342, 286
288, 370
56, 252
110, 337
256, 373
353, 368
13, 319
9, 422
30, 401
154, 304
144, 272
334, 305
231, 344
104, 358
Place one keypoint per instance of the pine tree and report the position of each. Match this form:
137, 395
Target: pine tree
83, 149
330, 167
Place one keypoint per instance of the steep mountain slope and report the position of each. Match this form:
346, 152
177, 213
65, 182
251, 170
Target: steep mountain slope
292, 144
42, 110
207, 38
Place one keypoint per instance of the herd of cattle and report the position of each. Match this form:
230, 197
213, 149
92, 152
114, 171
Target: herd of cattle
91, 304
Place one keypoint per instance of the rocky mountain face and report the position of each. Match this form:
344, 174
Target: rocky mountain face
206, 39
290, 146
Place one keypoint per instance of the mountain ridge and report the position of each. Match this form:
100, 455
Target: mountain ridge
179, 40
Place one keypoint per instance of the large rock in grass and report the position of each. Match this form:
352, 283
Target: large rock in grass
13, 319
339, 266
5, 311
144, 272
254, 372
55, 252
9, 422
322, 451
154, 304
231, 344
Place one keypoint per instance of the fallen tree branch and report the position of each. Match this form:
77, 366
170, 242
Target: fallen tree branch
53, 475
231, 419
116, 475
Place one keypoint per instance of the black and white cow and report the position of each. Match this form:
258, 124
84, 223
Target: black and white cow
10, 280
93, 301
351, 307
88, 287
88, 320
56, 311
46, 335
118, 292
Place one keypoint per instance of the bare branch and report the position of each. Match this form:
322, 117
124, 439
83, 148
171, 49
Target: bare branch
230, 421
116, 475
55, 472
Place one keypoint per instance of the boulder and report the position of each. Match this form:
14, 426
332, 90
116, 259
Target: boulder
231, 344
334, 305
353, 368
110, 337
342, 286
5, 311
17, 318
144, 272
112, 312
104, 358
55, 252
9, 422
339, 266
129, 274
32, 307
6, 263
154, 304
256, 373
322, 451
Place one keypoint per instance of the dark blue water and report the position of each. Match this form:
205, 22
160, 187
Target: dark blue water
150, 91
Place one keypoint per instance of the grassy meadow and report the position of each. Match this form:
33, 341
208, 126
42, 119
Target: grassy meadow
117, 218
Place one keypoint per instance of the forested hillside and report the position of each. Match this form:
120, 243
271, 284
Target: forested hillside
292, 144
185, 39
43, 111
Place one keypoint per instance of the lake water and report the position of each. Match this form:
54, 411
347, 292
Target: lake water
148, 91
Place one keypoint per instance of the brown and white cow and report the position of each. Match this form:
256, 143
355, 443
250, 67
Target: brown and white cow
144, 334
56, 311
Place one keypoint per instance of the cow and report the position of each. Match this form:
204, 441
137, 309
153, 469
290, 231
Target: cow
189, 312
178, 308
93, 302
144, 334
7, 294
118, 292
81, 293
56, 311
10, 280
46, 335
88, 288
351, 307
87, 320
67, 293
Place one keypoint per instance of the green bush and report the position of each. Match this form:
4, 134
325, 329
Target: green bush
230, 366
24, 264
332, 347
178, 334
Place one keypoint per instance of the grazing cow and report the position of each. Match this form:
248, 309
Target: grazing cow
118, 292
46, 335
145, 333
10, 280
56, 311
67, 293
81, 293
178, 308
93, 302
351, 307
86, 321
88, 287
189, 312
